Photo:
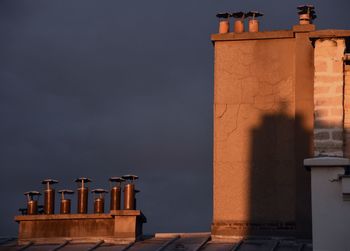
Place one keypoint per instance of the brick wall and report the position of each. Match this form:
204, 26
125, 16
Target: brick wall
328, 97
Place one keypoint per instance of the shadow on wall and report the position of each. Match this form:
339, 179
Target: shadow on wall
280, 190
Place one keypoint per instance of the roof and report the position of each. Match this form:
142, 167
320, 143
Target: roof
172, 242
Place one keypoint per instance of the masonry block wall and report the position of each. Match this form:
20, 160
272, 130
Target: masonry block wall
329, 97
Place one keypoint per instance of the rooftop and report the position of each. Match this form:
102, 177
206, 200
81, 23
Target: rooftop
172, 241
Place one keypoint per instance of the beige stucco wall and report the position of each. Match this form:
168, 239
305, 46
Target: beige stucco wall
253, 81
257, 125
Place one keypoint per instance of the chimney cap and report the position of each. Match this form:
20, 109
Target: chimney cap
116, 179
66, 191
223, 15
99, 191
254, 14
306, 7
32, 193
239, 14
130, 177
81, 179
49, 181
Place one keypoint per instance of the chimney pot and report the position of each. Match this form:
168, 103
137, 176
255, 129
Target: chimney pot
49, 196
253, 24
82, 206
224, 22
99, 202
306, 14
239, 21
129, 192
65, 203
32, 204
116, 193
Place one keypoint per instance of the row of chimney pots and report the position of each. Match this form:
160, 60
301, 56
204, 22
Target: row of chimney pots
306, 16
82, 198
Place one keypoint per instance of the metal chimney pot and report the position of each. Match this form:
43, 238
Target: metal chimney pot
129, 192
99, 202
65, 204
32, 204
82, 206
49, 196
116, 193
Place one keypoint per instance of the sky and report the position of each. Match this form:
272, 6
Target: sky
106, 88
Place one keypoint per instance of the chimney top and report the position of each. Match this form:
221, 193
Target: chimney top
130, 177
32, 193
116, 179
223, 15
306, 13
49, 181
99, 191
66, 191
83, 179
254, 14
239, 14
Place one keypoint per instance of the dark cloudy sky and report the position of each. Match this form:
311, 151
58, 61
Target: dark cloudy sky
104, 88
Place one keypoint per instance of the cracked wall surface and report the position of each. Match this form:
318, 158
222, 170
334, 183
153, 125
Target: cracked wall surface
246, 90
255, 128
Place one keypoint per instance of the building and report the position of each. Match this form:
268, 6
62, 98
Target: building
280, 97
